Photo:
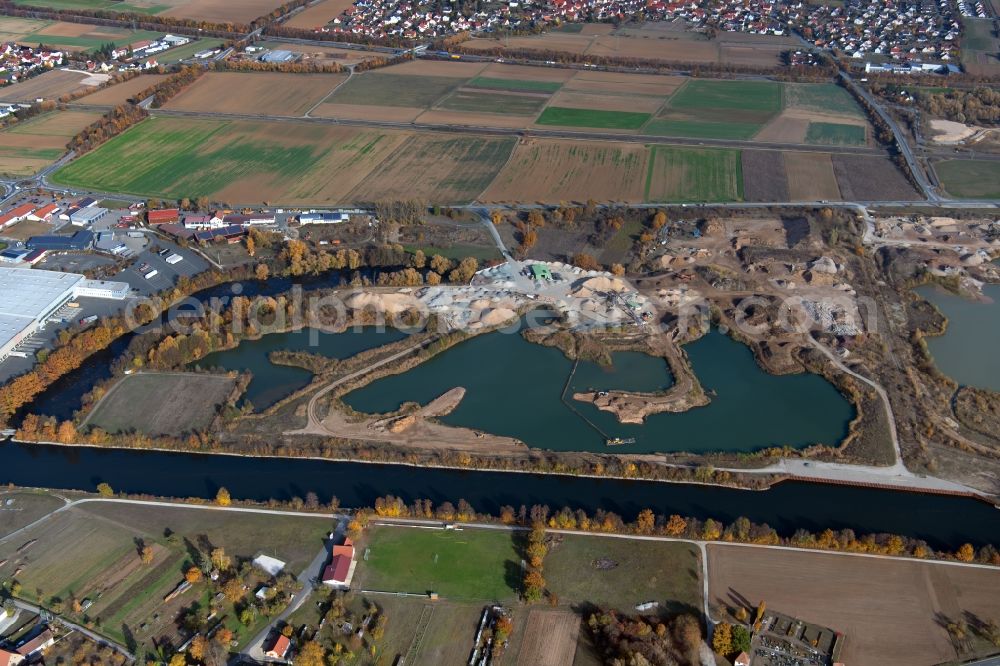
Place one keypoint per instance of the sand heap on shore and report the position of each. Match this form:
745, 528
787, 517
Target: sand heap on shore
598, 286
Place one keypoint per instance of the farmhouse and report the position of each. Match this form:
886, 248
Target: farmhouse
340, 571
10, 658
42, 641
16, 215
279, 649
29, 297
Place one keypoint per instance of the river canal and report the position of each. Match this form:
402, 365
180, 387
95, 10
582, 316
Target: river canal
943, 521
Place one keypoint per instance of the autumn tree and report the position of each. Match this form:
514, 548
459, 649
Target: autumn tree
234, 590
222, 498
198, 647
722, 638
675, 526
966, 553
104, 490
146, 554
586, 262
192, 575
645, 522
220, 560
311, 654
178, 660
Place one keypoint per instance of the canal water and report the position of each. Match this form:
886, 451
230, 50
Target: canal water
943, 521
967, 352
515, 388
273, 382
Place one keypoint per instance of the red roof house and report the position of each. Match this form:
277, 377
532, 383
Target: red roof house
165, 216
340, 571
280, 647
10, 658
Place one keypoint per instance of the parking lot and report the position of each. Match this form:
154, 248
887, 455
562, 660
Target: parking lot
166, 274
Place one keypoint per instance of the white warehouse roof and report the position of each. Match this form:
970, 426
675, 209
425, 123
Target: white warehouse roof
27, 292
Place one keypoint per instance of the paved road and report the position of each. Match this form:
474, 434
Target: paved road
904, 146
308, 577
97, 638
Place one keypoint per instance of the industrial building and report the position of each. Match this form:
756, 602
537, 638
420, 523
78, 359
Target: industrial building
279, 56
81, 240
29, 297
87, 216
323, 217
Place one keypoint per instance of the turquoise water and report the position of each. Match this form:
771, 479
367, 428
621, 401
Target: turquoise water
272, 382
967, 352
513, 388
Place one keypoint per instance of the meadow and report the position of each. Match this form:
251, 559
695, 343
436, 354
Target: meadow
836, 134
718, 109
596, 118
973, 179
457, 564
30, 146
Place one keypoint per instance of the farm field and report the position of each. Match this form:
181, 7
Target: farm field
548, 170
596, 118
871, 178
719, 109
18, 509
694, 174
158, 404
549, 638
92, 552
222, 11
764, 176
980, 48
50, 86
663, 41
266, 93
69, 36
443, 169
973, 179
121, 92
811, 177
593, 570
460, 565
318, 15
891, 611
27, 148
835, 134
477, 101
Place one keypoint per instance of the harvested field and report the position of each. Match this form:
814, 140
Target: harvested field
973, 179
222, 11
461, 565
79, 36
694, 174
864, 178
15, 29
811, 177
443, 68
836, 134
586, 570
160, 404
446, 117
890, 611
514, 85
624, 84
528, 73
549, 639
980, 48
318, 15
49, 85
380, 88
121, 92
265, 93
28, 147
764, 176
595, 100
445, 170
399, 114
784, 129
549, 170
570, 117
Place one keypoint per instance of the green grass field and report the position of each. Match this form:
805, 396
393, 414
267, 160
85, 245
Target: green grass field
94, 4
514, 84
171, 158
835, 134
973, 179
701, 130
569, 117
642, 571
383, 89
825, 97
694, 174
490, 102
713, 109
762, 96
466, 564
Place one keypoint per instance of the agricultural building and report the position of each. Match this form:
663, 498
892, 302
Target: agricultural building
165, 216
340, 571
29, 297
323, 217
85, 217
279, 56
45, 213
81, 240
231, 234
16, 215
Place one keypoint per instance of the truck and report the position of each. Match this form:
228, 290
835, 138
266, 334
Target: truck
174, 259
88, 320
151, 274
